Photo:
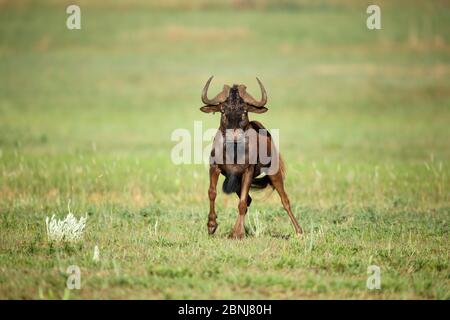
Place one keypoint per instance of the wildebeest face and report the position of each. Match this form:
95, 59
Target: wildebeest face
234, 119
234, 112
234, 103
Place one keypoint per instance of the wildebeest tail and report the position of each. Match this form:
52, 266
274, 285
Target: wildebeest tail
282, 167
231, 184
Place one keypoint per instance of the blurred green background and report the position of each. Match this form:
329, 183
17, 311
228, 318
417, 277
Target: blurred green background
86, 116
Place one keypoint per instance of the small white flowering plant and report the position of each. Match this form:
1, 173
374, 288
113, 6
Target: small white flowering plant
69, 229
257, 226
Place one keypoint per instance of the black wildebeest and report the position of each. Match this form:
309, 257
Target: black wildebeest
242, 151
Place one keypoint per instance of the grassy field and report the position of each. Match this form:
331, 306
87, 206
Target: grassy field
86, 117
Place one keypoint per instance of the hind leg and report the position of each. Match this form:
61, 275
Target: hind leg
214, 172
277, 182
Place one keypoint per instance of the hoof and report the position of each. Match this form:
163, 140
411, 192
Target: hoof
212, 226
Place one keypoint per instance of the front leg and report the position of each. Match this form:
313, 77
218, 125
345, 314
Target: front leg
238, 230
214, 172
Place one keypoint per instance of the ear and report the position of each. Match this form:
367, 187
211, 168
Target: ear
256, 109
209, 109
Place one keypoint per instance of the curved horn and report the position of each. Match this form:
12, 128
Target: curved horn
250, 100
221, 97
263, 95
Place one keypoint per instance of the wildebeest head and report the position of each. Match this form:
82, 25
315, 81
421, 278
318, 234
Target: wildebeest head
234, 103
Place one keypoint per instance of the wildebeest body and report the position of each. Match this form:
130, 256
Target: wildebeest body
242, 151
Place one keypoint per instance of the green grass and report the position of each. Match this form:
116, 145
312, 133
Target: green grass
86, 117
